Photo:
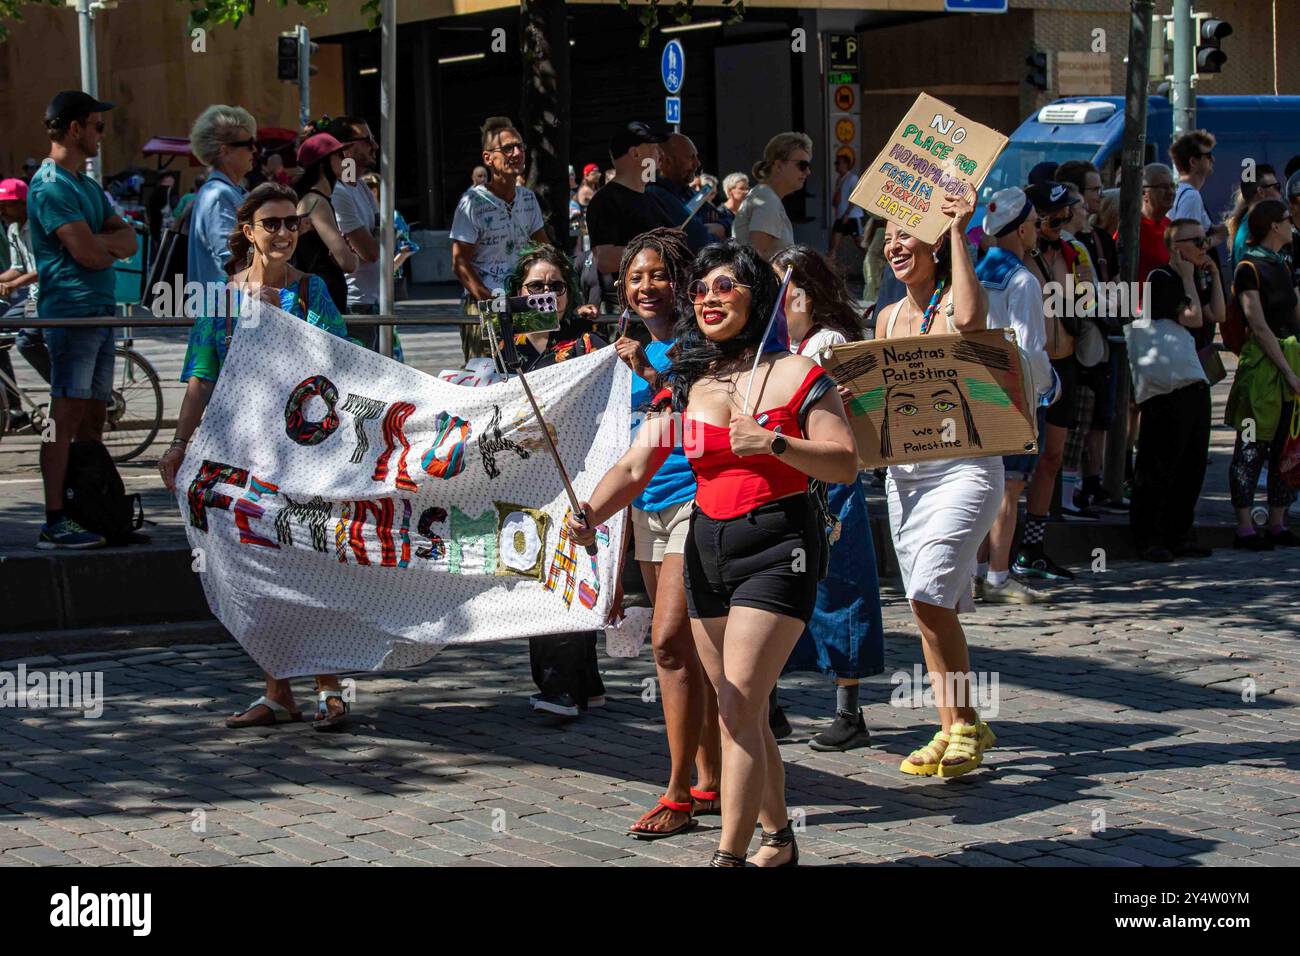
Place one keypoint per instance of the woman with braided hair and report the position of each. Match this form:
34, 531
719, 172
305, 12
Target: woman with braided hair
653, 276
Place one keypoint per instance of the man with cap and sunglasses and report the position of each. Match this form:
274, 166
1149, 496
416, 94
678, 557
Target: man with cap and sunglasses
1015, 302
622, 209
76, 237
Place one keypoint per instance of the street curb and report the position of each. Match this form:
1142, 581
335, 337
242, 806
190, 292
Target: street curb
17, 645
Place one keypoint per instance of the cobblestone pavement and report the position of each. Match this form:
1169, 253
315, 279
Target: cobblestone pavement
1128, 736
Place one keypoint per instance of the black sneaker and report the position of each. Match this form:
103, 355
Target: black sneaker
1252, 542
1034, 563
19, 420
561, 705
1283, 539
846, 732
780, 723
1078, 511
1105, 504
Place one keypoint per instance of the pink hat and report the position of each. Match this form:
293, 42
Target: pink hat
12, 189
317, 147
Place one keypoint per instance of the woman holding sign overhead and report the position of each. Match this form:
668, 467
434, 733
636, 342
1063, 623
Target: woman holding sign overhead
940, 511
756, 540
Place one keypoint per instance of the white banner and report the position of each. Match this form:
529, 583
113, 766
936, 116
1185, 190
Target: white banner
350, 513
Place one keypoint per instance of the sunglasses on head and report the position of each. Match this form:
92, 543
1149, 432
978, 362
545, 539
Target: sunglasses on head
722, 286
538, 287
273, 224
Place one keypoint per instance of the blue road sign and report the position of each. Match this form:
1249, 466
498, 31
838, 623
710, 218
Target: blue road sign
975, 6
672, 66
672, 109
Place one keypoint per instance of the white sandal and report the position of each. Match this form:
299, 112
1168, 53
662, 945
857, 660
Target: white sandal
328, 721
279, 714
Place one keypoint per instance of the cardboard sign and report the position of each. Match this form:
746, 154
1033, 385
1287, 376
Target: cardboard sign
935, 150
929, 397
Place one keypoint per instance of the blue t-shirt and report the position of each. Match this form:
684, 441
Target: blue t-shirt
55, 198
674, 482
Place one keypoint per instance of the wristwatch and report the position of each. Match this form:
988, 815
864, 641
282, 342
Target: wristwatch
779, 444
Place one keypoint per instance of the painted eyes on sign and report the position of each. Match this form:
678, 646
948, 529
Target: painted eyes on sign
943, 405
907, 408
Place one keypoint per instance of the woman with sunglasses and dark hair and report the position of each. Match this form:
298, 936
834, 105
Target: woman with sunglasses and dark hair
563, 665
940, 511
755, 545
262, 244
1268, 376
762, 221
653, 277
323, 250
1264, 184
1186, 303
845, 638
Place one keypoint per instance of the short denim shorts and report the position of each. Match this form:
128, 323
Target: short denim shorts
81, 363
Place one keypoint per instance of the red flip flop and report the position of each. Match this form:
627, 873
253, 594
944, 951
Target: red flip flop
706, 796
663, 804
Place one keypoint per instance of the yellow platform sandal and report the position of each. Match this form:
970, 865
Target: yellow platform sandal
929, 755
966, 746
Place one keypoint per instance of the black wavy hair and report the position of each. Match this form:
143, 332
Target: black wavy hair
544, 252
695, 356
671, 246
824, 287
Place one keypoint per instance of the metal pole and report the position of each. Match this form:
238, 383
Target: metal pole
304, 76
89, 75
1130, 205
387, 152
1180, 87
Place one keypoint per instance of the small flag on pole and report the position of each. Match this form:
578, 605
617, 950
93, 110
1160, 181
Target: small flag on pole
777, 336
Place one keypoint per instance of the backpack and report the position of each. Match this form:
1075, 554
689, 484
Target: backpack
172, 257
94, 496
1235, 329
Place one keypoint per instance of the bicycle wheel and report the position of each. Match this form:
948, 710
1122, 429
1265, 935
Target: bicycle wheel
136, 410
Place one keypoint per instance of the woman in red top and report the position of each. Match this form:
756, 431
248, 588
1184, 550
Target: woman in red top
753, 555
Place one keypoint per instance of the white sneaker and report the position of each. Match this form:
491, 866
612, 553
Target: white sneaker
1012, 591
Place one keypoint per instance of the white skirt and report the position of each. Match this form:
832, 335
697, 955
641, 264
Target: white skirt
939, 514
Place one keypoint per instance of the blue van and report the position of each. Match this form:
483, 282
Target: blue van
1263, 128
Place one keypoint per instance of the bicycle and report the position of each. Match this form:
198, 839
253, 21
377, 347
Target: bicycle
135, 410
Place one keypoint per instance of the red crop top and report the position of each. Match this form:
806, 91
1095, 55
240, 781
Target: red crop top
727, 485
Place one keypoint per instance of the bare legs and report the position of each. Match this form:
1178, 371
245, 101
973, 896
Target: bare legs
743, 654
690, 705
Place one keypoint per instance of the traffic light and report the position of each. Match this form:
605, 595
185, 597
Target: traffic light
1209, 32
1161, 63
286, 55
1037, 75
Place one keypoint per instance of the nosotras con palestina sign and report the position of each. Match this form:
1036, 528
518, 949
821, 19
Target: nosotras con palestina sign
934, 151
347, 512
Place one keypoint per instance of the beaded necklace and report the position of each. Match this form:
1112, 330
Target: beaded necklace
928, 316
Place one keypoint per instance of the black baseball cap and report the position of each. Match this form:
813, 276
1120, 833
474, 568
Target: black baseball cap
1050, 197
71, 104
633, 134
1044, 172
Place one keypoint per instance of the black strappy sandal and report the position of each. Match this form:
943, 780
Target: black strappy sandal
723, 858
782, 838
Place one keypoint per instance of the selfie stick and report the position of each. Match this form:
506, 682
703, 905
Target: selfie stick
509, 357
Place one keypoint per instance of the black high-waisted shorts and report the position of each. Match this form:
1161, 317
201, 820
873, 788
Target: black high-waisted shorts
768, 558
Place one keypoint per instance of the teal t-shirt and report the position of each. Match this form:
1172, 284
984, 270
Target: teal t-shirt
55, 198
